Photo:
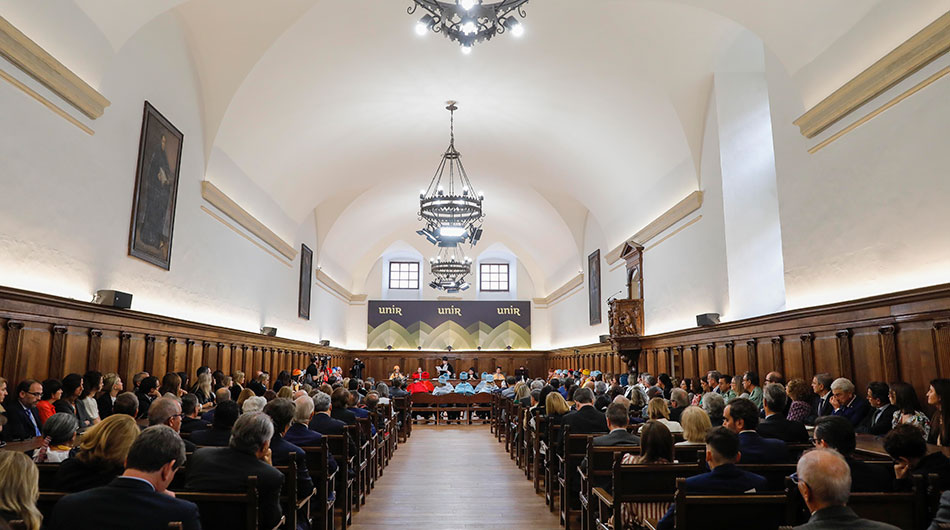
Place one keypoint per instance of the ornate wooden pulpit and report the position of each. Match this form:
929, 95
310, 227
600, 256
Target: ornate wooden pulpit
626, 324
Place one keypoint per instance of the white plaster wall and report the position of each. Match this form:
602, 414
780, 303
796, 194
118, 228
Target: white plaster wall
64, 213
867, 214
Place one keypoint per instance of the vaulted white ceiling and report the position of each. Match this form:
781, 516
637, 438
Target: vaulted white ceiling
336, 107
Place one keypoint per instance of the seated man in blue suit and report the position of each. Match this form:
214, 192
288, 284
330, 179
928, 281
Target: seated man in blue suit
722, 454
846, 403
138, 497
301, 435
742, 417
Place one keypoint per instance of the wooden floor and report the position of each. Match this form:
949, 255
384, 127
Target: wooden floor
453, 477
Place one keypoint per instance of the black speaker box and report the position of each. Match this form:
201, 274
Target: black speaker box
269, 331
111, 298
605, 338
324, 342
707, 319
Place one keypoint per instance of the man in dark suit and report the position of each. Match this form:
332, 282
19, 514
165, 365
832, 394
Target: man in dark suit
226, 469
824, 482
722, 454
775, 425
821, 405
340, 400
301, 435
879, 420
835, 432
322, 422
136, 498
220, 396
846, 403
617, 420
586, 419
167, 411
189, 415
742, 417
23, 419
281, 412
905, 444
219, 435
259, 384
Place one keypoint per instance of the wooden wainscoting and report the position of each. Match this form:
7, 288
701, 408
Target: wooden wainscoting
45, 336
903, 336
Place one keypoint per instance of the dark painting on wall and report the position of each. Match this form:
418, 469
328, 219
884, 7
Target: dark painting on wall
156, 189
593, 286
306, 278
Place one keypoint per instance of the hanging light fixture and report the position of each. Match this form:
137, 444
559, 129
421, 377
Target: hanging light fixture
450, 208
468, 22
450, 269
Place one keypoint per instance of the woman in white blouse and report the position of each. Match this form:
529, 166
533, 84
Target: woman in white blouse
86, 406
61, 429
658, 410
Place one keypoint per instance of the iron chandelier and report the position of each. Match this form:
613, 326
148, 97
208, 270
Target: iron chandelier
468, 22
450, 269
451, 210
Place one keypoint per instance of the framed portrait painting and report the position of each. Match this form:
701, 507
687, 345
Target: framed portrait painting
593, 286
306, 280
156, 189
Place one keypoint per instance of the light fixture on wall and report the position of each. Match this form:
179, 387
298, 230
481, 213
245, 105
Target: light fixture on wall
449, 206
469, 22
450, 269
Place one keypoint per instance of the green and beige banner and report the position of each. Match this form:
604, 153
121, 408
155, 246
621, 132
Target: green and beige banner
463, 325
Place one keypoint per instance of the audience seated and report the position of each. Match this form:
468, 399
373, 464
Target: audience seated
586, 419
937, 394
220, 396
555, 407
879, 419
800, 397
679, 400
824, 482
139, 496
219, 435
101, 455
146, 393
834, 432
722, 453
226, 469
907, 447
86, 406
23, 418
126, 403
847, 403
942, 519
775, 424
340, 400
167, 411
714, 404
656, 448
750, 385
52, 392
190, 421
281, 412
299, 432
903, 396
61, 429
254, 404
617, 421
111, 388
322, 421
821, 404
657, 410
696, 425
72, 389
742, 417
19, 489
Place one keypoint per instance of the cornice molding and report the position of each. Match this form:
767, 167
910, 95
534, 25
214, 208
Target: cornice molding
678, 212
338, 289
560, 292
40, 65
913, 54
227, 206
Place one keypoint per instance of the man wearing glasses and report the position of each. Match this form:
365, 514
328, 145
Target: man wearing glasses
24, 419
167, 411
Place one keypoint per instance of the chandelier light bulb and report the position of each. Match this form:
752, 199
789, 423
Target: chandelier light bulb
468, 27
466, 50
467, 4
421, 29
517, 30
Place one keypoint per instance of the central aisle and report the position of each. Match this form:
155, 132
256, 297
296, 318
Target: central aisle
453, 477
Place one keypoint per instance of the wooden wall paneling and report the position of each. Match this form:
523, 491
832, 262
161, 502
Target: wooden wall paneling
888, 345
238, 354
721, 357
867, 358
914, 351
741, 351
845, 358
752, 354
941, 338
694, 355
12, 352
125, 354
778, 356
3, 344
151, 362
730, 367
708, 361
224, 357
94, 359
209, 355
668, 363
172, 360
35, 350
686, 361
825, 351
807, 344
109, 352
76, 350
57, 356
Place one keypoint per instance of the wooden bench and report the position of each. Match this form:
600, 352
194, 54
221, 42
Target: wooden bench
638, 483
403, 408
905, 509
551, 464
212, 507
321, 507
575, 449
769, 510
598, 474
339, 447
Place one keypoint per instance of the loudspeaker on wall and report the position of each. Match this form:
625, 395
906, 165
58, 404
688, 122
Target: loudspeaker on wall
707, 319
112, 298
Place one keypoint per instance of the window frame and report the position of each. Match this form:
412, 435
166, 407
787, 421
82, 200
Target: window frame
417, 280
506, 267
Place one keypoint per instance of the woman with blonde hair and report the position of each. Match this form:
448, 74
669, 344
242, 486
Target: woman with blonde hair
237, 384
203, 390
285, 392
111, 388
21, 489
101, 455
246, 393
695, 424
521, 391
658, 410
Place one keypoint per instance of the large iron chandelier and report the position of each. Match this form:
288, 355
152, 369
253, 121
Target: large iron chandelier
468, 22
450, 208
450, 269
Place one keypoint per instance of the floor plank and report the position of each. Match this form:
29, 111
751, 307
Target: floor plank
453, 477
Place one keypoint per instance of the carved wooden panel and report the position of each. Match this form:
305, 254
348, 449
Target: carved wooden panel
57, 359
941, 348
807, 356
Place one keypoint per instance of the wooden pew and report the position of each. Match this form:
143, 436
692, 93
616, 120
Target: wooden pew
403, 407
597, 474
905, 509
575, 449
321, 507
551, 464
775, 474
212, 505
481, 404
339, 447
423, 403
369, 453
769, 510
638, 483
537, 464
